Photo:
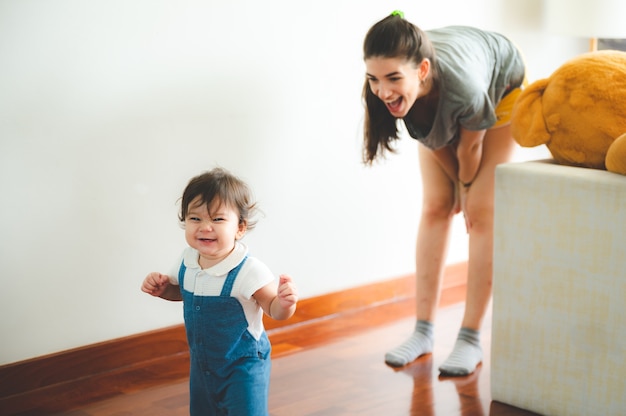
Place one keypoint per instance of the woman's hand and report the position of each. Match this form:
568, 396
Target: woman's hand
456, 208
463, 193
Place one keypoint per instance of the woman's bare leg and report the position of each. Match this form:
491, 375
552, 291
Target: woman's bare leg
431, 248
498, 147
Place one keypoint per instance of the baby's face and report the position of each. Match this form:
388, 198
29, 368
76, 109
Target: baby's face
212, 230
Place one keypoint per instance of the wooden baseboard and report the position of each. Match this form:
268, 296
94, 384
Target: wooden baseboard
57, 382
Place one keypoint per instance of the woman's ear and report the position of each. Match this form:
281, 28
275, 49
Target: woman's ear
424, 69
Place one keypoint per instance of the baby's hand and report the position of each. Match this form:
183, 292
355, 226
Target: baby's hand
287, 292
155, 284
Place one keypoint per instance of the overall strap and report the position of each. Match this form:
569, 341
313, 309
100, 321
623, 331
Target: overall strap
230, 279
181, 273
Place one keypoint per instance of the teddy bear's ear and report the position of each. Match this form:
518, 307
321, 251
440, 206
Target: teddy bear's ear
527, 122
616, 156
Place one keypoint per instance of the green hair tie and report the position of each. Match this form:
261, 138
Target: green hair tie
398, 13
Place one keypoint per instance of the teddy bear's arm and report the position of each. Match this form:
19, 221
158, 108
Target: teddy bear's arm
527, 120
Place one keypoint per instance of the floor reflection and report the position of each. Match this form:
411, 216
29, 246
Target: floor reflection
425, 391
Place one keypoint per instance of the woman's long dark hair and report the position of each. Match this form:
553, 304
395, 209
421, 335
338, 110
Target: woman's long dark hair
392, 37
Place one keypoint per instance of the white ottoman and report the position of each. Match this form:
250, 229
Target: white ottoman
559, 290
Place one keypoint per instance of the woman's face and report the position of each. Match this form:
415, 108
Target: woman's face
395, 81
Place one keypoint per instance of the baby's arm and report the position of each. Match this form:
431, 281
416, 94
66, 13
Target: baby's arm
157, 284
278, 303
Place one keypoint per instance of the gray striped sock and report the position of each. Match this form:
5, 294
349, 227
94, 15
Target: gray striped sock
465, 356
419, 343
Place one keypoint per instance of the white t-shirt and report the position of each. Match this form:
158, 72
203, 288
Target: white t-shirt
209, 282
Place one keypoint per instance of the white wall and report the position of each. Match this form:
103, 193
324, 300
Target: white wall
107, 108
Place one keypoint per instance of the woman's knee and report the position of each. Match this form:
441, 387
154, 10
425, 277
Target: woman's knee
441, 208
480, 211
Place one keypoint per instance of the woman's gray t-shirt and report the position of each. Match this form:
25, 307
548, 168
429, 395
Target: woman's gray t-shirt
476, 69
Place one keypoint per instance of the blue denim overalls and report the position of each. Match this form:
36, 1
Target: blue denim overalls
230, 370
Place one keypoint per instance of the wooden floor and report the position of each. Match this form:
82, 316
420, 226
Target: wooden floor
342, 372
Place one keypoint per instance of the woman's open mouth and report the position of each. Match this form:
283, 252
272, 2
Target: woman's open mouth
394, 106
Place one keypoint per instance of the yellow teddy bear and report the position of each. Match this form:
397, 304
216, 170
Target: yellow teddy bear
579, 112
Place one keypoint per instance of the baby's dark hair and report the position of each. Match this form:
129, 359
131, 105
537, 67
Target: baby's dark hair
391, 37
219, 184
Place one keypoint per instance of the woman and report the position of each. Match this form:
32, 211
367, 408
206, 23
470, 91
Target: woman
453, 88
